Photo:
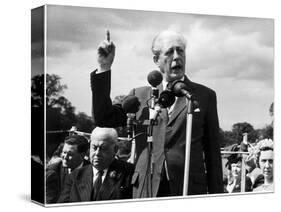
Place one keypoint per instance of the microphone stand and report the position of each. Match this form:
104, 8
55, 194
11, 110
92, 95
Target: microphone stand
150, 162
190, 111
131, 134
155, 110
243, 168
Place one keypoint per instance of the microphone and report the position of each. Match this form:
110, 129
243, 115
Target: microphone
130, 105
154, 78
166, 99
179, 89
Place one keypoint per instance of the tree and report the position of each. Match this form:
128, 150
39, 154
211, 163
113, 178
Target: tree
271, 109
54, 91
228, 138
243, 127
60, 112
84, 123
37, 91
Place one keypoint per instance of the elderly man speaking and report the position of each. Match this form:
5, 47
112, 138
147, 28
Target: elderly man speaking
106, 178
169, 135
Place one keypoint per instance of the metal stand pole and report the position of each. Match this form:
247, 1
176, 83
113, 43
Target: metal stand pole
243, 171
243, 174
149, 167
133, 147
187, 145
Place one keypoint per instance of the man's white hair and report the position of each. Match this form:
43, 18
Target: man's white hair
162, 36
106, 134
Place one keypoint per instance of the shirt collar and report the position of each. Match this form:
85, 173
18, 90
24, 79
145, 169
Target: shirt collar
95, 172
165, 83
78, 167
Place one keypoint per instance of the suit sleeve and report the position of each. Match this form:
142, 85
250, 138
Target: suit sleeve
65, 194
104, 113
212, 147
52, 186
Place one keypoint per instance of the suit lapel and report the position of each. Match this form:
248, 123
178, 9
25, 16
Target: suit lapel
180, 104
109, 183
106, 188
85, 184
163, 114
63, 174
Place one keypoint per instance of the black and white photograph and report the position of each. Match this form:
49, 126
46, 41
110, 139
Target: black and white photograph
119, 105
143, 105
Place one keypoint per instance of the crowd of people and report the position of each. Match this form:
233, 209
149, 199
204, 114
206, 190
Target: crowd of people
158, 170
257, 162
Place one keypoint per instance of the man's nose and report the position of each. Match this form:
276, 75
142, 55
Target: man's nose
175, 55
266, 164
65, 155
98, 151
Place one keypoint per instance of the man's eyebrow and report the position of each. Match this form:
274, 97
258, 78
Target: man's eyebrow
101, 145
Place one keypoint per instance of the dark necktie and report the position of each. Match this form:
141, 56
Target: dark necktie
97, 185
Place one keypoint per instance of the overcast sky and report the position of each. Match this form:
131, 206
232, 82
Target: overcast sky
232, 55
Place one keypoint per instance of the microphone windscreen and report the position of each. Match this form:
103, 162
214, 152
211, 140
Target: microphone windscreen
131, 104
166, 99
154, 78
178, 88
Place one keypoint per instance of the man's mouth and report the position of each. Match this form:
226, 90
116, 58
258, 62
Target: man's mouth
97, 159
176, 67
267, 171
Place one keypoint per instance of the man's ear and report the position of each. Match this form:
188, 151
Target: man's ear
156, 60
116, 149
83, 154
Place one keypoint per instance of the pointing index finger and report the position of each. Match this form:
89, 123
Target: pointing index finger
108, 35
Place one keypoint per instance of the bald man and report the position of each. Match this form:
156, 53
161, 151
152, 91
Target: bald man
106, 178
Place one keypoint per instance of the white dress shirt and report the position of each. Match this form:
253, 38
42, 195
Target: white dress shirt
170, 109
95, 174
78, 167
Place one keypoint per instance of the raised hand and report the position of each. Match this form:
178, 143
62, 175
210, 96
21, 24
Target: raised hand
105, 54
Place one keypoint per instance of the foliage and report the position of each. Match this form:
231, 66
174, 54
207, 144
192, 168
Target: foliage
84, 123
60, 112
271, 109
37, 91
235, 136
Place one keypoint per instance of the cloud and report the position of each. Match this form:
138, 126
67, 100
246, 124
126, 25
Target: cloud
232, 55
85, 28
241, 25
225, 54
37, 33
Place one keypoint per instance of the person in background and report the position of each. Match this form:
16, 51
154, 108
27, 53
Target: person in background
234, 166
265, 159
74, 149
106, 178
253, 171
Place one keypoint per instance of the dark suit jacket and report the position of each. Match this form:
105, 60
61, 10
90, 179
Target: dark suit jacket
116, 185
169, 137
237, 188
55, 178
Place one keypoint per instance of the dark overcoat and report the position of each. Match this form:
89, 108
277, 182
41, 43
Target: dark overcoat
116, 185
169, 138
